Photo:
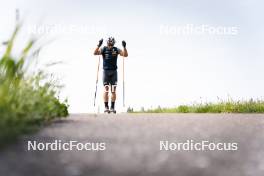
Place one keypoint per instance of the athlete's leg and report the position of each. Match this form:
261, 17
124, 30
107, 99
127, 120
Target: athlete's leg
106, 89
106, 93
113, 90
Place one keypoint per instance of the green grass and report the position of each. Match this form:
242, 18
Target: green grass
27, 99
230, 106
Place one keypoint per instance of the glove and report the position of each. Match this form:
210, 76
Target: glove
100, 43
123, 43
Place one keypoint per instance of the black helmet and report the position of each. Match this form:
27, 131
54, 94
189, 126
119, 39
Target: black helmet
111, 41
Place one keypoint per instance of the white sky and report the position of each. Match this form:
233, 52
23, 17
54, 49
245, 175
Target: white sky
161, 69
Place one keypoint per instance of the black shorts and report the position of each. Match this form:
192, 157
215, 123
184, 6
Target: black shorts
110, 77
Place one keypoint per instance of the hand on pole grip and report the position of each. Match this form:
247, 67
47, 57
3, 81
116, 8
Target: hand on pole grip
100, 43
124, 43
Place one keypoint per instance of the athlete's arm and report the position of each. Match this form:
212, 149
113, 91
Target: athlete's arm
97, 49
124, 52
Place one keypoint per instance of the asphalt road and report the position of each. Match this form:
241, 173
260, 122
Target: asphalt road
132, 146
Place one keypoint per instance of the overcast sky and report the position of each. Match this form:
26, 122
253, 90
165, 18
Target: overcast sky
172, 60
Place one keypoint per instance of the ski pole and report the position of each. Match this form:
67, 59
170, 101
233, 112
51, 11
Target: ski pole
96, 80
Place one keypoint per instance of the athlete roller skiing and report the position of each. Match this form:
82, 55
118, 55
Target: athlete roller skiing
110, 54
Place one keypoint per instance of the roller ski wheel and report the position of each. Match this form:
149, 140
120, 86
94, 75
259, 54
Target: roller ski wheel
112, 111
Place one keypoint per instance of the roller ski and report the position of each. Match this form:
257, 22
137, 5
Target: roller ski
107, 111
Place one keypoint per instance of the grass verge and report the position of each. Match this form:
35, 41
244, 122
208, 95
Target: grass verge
27, 100
230, 106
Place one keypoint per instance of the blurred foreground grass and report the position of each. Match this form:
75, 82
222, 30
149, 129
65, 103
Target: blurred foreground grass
26, 100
